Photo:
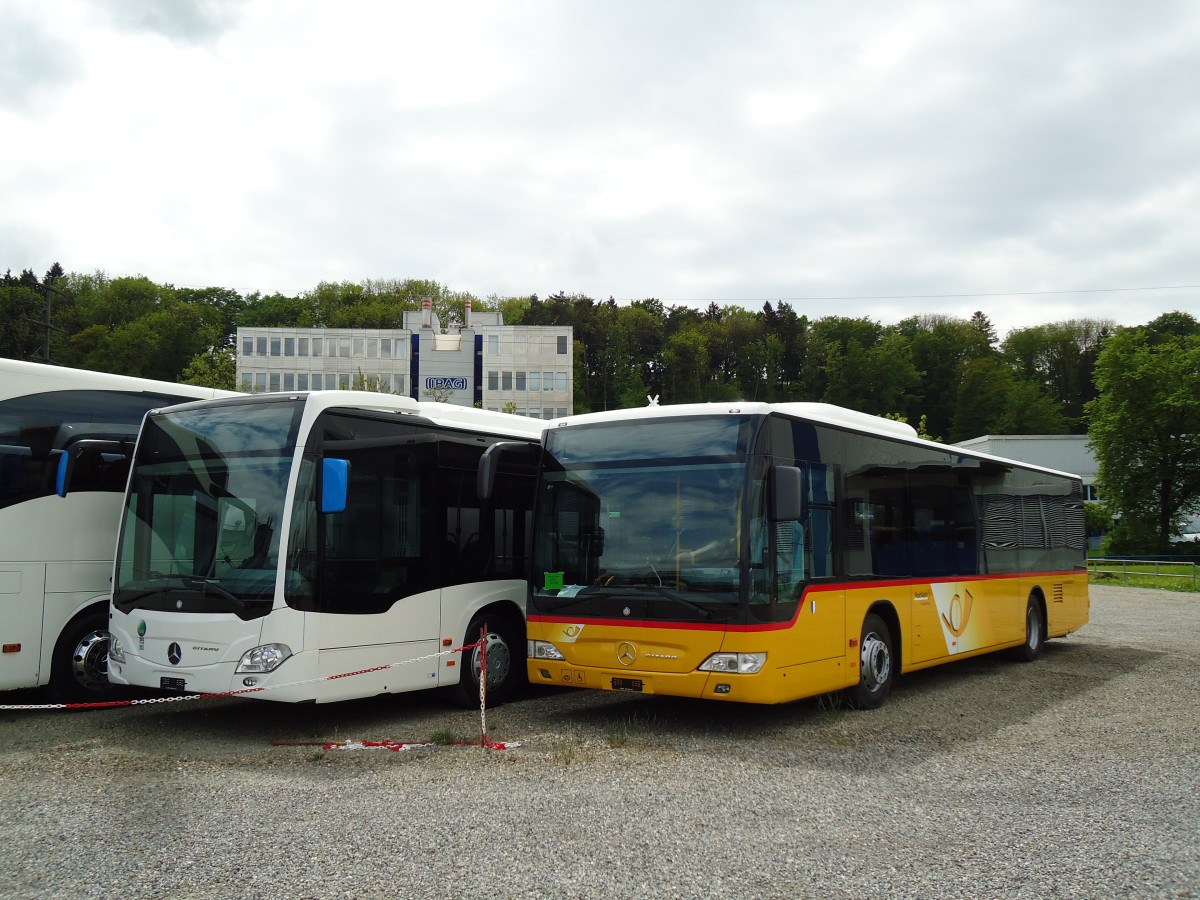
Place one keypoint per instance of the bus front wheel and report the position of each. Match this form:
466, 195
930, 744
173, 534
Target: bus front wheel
505, 662
877, 668
79, 668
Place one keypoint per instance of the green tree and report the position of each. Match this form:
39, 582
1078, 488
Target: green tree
942, 348
1059, 358
983, 396
214, 368
1144, 426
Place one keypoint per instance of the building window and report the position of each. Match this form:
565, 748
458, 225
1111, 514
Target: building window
521, 381
289, 346
318, 345
247, 382
260, 382
562, 344
562, 412
521, 411
560, 380
493, 345
493, 381
344, 381
385, 348
275, 344
535, 381
302, 349
399, 389
358, 347
302, 381
506, 381
344, 346
372, 348
289, 381
248, 346
261, 346
547, 381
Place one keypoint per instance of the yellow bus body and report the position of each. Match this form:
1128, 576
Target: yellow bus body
817, 651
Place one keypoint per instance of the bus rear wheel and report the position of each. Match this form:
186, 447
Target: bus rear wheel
1035, 632
79, 668
876, 665
505, 662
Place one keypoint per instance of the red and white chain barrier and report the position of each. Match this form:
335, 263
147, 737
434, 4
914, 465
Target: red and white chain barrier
347, 745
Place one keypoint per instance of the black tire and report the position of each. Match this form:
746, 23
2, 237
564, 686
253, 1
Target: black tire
79, 667
1035, 632
877, 665
505, 662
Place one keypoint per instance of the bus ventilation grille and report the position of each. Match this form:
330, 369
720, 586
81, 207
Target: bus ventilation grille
1058, 593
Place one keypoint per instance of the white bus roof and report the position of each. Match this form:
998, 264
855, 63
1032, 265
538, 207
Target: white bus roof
445, 414
21, 378
822, 413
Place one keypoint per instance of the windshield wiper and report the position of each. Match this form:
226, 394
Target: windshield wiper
586, 593
633, 592
206, 585
681, 600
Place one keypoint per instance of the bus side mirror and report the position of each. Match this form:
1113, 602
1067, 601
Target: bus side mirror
335, 485
788, 500
489, 463
69, 458
62, 478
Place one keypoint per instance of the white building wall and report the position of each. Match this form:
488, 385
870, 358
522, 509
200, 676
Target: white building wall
529, 367
526, 368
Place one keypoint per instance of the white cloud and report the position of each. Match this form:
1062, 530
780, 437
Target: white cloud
685, 150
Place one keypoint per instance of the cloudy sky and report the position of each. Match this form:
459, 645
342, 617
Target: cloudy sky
1032, 159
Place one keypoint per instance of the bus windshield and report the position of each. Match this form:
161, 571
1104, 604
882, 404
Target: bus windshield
642, 521
202, 522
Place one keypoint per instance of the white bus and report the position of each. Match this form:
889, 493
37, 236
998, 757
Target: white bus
56, 555
275, 541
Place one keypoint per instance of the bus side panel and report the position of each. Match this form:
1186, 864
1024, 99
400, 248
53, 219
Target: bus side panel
1067, 604
351, 643
22, 591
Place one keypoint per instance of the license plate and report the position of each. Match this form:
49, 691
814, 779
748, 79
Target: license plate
627, 684
173, 684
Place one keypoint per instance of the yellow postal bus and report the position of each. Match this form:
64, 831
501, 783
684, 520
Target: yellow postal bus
767, 552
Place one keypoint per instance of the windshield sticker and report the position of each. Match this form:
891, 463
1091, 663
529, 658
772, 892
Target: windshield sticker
569, 633
570, 590
553, 581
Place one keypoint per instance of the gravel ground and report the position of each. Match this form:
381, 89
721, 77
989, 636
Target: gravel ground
1076, 776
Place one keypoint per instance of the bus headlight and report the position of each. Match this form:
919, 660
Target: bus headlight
737, 663
116, 653
542, 650
266, 658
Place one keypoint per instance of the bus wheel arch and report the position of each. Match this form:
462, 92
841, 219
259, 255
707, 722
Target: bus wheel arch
879, 657
79, 665
1035, 628
505, 656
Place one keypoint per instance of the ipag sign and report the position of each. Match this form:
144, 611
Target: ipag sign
444, 383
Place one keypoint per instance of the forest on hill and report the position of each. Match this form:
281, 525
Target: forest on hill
955, 377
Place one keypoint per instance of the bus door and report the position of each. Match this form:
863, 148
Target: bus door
943, 546
377, 577
792, 567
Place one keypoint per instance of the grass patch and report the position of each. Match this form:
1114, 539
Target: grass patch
1182, 577
617, 733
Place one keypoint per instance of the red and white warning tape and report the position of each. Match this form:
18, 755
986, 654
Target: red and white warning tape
348, 745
